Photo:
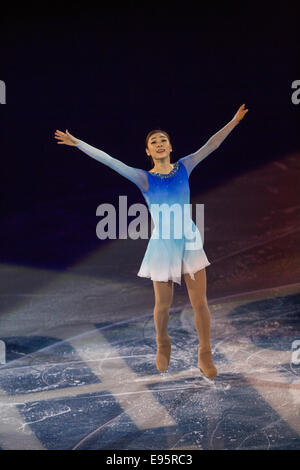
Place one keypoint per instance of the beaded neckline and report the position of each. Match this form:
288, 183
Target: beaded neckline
168, 175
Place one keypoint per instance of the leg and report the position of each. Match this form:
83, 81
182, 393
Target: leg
197, 294
163, 299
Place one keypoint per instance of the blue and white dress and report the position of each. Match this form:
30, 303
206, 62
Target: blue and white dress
172, 253
168, 255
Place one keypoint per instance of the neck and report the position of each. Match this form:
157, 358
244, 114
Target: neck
162, 166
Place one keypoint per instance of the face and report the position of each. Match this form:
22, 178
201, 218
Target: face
159, 146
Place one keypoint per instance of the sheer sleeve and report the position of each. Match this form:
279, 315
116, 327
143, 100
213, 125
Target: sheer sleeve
135, 175
190, 161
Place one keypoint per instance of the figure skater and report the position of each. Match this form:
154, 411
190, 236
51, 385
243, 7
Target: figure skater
168, 258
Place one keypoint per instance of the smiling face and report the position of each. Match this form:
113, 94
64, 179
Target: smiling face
158, 146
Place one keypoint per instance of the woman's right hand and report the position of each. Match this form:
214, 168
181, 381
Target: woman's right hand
66, 138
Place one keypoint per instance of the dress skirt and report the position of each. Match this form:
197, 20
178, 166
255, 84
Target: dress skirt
168, 259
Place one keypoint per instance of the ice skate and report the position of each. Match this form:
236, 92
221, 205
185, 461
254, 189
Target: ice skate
163, 354
205, 362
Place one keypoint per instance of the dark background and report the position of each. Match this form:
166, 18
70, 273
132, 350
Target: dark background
110, 74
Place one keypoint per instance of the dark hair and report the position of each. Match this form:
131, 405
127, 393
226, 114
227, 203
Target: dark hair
154, 131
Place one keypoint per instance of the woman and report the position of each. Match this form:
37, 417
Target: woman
167, 258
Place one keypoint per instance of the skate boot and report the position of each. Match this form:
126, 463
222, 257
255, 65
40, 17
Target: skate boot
205, 362
163, 353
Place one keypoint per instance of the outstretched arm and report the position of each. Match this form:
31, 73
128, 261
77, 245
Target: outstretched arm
190, 161
136, 175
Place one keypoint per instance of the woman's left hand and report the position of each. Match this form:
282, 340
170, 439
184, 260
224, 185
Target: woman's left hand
241, 113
